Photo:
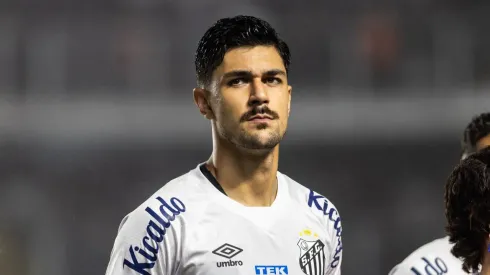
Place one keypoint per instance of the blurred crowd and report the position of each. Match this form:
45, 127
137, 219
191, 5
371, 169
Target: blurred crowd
138, 48
61, 202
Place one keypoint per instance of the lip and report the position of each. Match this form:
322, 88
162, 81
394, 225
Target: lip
260, 118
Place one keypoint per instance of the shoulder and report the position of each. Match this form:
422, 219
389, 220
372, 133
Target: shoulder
435, 255
317, 204
165, 208
156, 225
321, 209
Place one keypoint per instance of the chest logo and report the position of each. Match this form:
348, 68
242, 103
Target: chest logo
228, 251
312, 255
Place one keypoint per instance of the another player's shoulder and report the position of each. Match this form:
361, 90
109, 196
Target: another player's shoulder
434, 256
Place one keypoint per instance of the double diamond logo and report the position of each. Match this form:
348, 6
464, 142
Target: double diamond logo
227, 251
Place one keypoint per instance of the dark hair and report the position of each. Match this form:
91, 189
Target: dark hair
478, 128
467, 203
230, 33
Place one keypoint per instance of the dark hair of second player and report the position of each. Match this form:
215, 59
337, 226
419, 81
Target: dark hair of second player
467, 204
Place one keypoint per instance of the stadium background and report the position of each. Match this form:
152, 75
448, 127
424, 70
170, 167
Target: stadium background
96, 114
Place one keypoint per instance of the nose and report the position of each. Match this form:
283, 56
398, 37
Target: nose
258, 93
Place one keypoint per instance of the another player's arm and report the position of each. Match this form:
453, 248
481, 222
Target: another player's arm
148, 241
406, 268
423, 264
401, 270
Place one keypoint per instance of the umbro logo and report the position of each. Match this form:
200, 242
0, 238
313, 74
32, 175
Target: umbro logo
228, 251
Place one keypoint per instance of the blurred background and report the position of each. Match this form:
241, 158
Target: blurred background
96, 114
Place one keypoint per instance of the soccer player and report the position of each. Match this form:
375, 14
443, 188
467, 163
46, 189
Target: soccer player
467, 200
476, 135
435, 257
235, 213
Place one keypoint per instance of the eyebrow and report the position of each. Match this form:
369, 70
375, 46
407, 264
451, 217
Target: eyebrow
245, 73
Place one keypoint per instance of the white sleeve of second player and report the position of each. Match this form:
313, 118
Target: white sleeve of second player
401, 269
405, 268
148, 242
335, 261
397, 271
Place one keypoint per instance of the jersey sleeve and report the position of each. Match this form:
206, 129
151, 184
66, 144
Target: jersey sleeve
149, 241
428, 264
335, 261
400, 270
407, 268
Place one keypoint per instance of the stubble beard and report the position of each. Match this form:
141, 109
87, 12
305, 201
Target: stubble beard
251, 141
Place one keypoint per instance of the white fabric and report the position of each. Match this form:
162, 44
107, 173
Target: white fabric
432, 258
189, 227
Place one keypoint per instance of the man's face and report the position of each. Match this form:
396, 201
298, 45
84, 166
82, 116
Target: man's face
250, 97
483, 143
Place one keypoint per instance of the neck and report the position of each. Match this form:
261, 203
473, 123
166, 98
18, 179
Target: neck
247, 177
486, 264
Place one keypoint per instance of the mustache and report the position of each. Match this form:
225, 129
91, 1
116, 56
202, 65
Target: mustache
262, 110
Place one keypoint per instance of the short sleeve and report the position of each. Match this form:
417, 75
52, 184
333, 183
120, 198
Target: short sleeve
399, 270
148, 240
335, 224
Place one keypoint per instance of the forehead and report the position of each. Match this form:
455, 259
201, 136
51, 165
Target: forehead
255, 59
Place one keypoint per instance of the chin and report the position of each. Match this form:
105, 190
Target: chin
257, 150
257, 144
260, 140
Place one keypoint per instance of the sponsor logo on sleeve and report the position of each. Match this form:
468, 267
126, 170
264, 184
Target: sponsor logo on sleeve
143, 259
435, 267
322, 204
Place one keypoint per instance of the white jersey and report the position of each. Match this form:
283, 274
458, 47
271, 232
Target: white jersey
432, 258
190, 227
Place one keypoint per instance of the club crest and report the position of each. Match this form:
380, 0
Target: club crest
312, 255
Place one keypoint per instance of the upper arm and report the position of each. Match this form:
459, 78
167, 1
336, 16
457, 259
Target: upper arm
148, 242
335, 224
126, 259
394, 271
139, 258
401, 269
330, 219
